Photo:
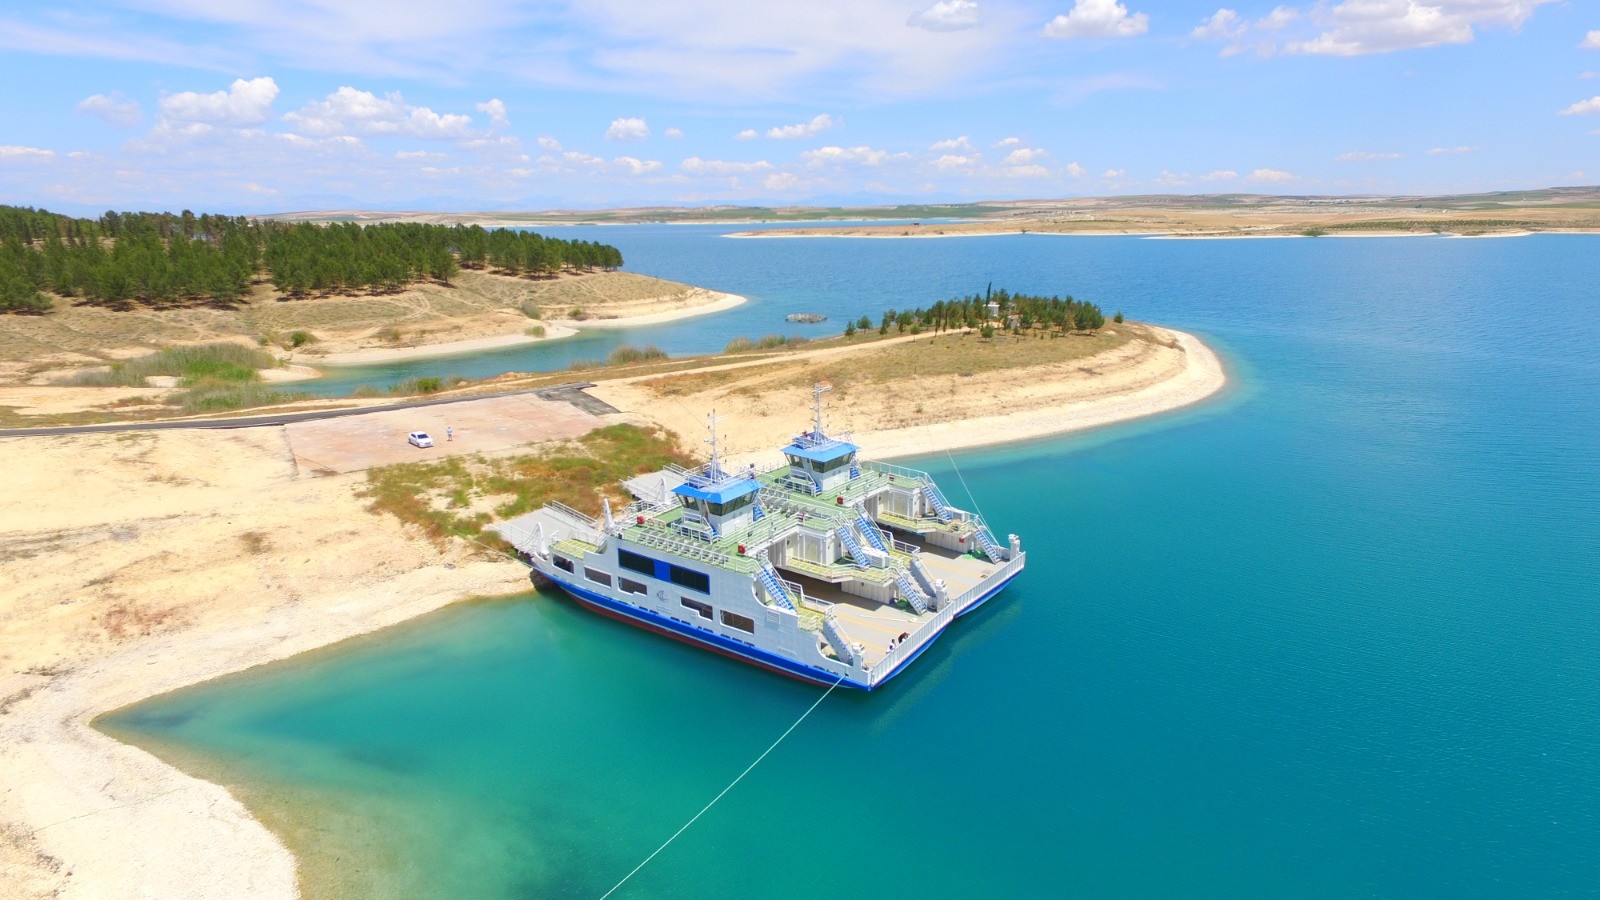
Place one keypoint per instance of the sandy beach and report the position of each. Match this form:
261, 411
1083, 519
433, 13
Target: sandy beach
697, 302
447, 348
176, 557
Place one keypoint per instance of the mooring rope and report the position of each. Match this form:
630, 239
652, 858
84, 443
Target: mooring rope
725, 790
964, 487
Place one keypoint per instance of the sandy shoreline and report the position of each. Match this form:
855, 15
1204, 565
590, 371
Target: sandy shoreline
86, 816
427, 351
555, 329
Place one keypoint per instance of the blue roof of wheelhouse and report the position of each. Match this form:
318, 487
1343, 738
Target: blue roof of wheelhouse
719, 492
827, 452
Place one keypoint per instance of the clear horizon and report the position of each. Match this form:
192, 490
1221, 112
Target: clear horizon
487, 106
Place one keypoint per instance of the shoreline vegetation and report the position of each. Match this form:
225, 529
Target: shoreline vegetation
89, 294
210, 552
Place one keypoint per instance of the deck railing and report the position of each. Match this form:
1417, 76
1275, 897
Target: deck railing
931, 628
898, 471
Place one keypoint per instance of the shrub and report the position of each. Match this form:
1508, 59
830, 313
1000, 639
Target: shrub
849, 329
424, 384
1118, 317
535, 331
987, 330
221, 396
626, 354
739, 345
579, 365
301, 338
577, 314
530, 309
192, 364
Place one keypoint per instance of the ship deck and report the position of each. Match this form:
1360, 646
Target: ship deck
874, 624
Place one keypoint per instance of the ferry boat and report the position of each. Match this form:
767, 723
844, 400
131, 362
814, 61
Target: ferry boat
825, 567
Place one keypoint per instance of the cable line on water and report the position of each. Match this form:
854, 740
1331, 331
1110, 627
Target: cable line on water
725, 790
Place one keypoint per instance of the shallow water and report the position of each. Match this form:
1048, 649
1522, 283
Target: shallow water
1333, 635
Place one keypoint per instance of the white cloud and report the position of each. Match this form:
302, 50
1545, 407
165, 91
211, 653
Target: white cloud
1270, 176
1591, 41
818, 124
418, 154
1023, 156
112, 109
495, 110
1366, 156
947, 15
1075, 170
1112, 174
1171, 179
1224, 25
1220, 175
628, 129
25, 153
1363, 27
960, 144
749, 134
1586, 76
243, 103
1097, 18
953, 161
1025, 171
1582, 108
1008, 142
1451, 151
1279, 18
694, 165
351, 111
549, 143
635, 166
673, 133
865, 156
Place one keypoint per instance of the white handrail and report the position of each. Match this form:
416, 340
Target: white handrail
881, 669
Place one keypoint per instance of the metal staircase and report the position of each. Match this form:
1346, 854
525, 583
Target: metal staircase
910, 592
936, 503
836, 638
775, 588
853, 546
873, 536
990, 548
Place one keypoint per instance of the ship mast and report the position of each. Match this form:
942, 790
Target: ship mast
816, 407
715, 471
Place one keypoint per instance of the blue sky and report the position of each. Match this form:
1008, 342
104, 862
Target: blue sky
278, 105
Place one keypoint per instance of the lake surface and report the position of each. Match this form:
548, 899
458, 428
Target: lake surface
1336, 634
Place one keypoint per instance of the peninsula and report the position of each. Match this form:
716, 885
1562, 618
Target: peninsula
211, 551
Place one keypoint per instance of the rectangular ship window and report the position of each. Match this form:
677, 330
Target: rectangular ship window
597, 576
629, 586
704, 609
689, 578
564, 564
634, 562
743, 623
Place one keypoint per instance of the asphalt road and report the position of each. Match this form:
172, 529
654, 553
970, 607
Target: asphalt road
570, 393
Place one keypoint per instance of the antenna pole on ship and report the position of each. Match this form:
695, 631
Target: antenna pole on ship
716, 463
816, 406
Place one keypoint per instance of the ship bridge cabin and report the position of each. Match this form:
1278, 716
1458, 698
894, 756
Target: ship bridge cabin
818, 463
716, 503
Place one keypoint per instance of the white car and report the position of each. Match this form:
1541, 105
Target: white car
419, 439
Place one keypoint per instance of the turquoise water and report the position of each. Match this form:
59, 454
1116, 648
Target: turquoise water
1334, 635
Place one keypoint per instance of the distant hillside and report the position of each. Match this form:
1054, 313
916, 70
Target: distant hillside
162, 260
1577, 199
